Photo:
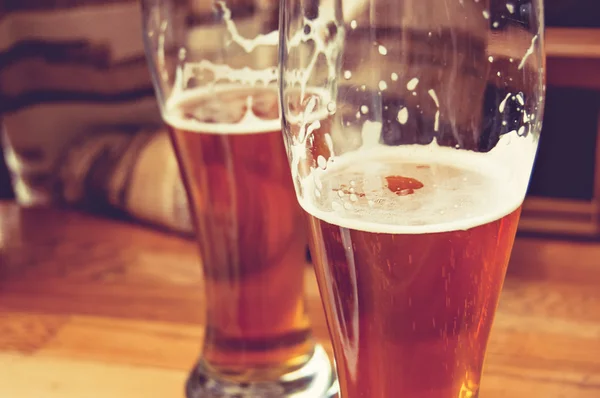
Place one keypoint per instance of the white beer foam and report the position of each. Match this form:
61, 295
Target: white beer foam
249, 124
462, 189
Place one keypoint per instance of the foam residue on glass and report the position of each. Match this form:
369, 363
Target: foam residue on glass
187, 71
255, 89
433, 95
529, 51
403, 115
447, 187
269, 39
412, 84
325, 36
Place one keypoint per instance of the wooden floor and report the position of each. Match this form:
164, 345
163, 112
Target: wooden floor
92, 308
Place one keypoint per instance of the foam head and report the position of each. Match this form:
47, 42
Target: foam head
411, 189
225, 109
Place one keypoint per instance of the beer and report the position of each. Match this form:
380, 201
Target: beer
249, 226
411, 245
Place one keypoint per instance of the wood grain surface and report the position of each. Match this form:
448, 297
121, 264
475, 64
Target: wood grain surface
96, 308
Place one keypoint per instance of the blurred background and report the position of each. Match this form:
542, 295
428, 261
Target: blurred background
565, 189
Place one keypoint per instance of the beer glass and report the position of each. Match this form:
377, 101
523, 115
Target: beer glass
214, 66
411, 128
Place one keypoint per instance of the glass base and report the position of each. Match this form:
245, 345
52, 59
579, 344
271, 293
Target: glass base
316, 379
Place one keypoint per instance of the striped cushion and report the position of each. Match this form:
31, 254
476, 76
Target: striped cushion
68, 68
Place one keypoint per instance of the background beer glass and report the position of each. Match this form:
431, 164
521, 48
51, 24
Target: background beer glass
214, 66
411, 128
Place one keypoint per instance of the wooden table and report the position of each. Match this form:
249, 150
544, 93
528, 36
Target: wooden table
96, 308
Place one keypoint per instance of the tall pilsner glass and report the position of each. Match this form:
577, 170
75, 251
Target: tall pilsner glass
411, 128
214, 66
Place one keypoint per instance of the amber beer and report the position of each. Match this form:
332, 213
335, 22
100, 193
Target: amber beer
249, 227
412, 246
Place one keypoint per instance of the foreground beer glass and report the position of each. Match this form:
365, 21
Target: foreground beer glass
411, 128
214, 69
